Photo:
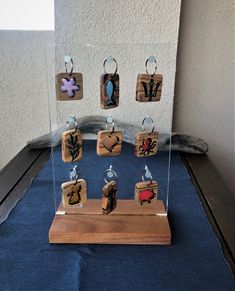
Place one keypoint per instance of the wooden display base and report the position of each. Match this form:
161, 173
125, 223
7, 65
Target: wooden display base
129, 223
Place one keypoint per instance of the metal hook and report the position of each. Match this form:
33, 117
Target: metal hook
110, 59
111, 174
147, 117
74, 173
72, 122
147, 174
151, 59
68, 60
110, 121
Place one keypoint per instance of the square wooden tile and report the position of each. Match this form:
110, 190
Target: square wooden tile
71, 144
109, 91
145, 191
74, 194
109, 197
146, 144
69, 87
148, 87
109, 144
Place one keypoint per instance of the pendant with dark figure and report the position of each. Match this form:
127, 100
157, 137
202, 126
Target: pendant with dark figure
148, 87
146, 144
109, 197
109, 91
71, 142
151, 89
74, 193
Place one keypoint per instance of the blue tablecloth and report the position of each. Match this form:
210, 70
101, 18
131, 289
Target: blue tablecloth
194, 261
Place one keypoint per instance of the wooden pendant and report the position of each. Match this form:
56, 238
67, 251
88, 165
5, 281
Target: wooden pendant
109, 91
71, 142
109, 197
109, 144
69, 86
146, 144
149, 87
74, 193
146, 191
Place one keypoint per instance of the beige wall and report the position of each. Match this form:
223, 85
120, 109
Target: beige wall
152, 29
204, 96
23, 89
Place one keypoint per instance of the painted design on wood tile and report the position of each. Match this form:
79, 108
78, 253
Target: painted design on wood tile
109, 144
109, 197
109, 91
110, 141
146, 144
69, 86
71, 146
74, 196
146, 191
74, 193
149, 87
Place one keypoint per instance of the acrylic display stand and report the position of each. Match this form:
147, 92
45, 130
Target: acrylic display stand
129, 223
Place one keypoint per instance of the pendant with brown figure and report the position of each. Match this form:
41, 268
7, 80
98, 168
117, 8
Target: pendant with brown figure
109, 87
109, 192
69, 86
146, 142
109, 197
74, 193
149, 86
109, 142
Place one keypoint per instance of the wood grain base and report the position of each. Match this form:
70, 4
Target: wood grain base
129, 223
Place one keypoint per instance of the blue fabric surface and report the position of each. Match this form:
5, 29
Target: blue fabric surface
194, 261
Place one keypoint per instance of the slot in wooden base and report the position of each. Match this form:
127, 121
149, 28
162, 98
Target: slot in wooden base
129, 223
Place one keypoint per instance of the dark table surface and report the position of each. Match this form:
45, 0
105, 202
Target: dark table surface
28, 262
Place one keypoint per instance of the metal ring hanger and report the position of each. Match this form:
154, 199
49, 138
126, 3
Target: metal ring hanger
110, 60
110, 170
110, 121
68, 60
151, 59
143, 123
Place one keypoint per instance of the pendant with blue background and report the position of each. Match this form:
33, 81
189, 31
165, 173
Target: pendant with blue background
109, 91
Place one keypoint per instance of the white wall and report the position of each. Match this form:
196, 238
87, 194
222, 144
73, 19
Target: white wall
109, 24
23, 89
204, 97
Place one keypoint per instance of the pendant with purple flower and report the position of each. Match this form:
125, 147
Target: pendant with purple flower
69, 86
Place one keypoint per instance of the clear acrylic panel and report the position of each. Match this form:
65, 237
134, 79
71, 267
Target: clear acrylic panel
88, 59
